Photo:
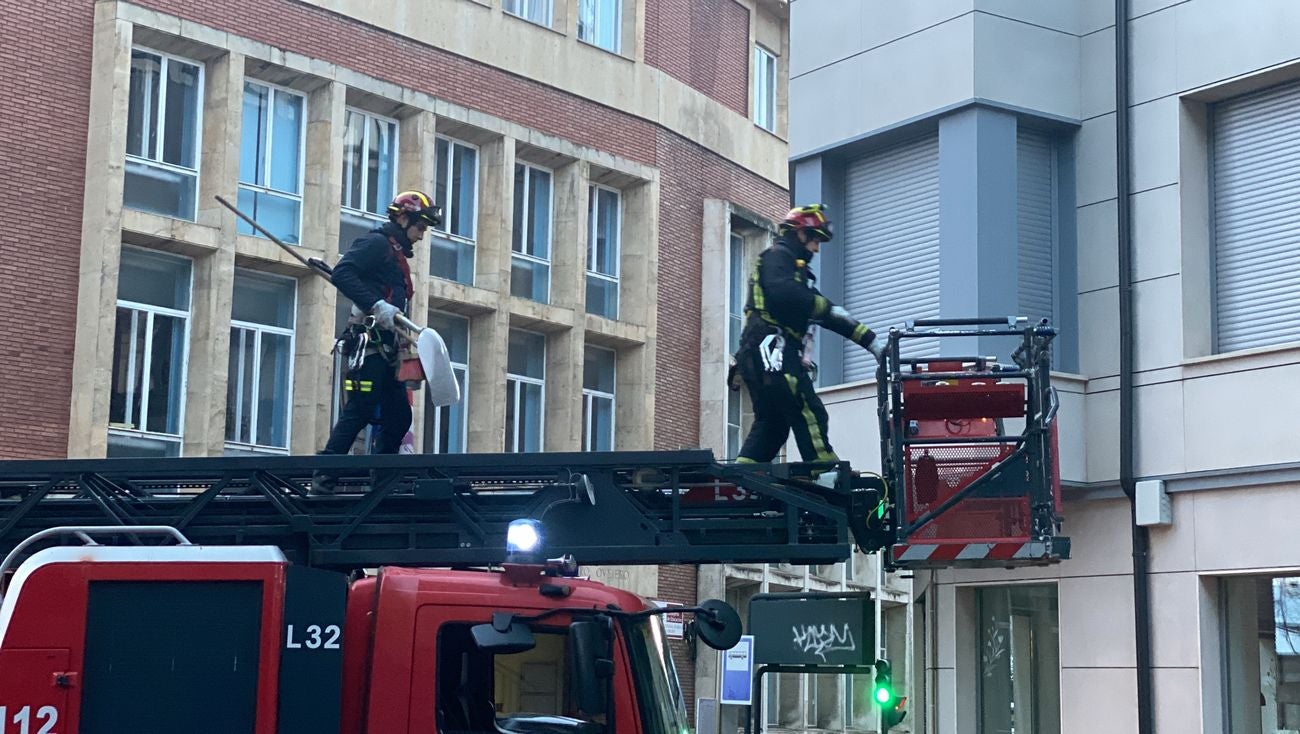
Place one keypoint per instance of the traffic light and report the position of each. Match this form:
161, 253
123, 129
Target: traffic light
882, 692
892, 706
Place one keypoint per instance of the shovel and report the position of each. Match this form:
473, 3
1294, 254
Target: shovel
432, 351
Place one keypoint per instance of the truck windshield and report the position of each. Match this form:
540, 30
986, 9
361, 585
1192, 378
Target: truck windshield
519, 693
658, 694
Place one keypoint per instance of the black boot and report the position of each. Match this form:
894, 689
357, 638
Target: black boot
322, 484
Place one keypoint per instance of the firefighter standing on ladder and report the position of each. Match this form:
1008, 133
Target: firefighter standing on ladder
781, 306
376, 276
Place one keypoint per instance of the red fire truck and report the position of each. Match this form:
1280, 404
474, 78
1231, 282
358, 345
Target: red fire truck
228, 601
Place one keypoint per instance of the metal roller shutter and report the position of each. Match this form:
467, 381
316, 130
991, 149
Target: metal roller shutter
1256, 201
1036, 215
891, 245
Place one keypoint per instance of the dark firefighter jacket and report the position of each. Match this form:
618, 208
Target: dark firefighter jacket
373, 269
370, 270
782, 298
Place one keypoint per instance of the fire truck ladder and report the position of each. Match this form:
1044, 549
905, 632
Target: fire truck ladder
453, 510
966, 489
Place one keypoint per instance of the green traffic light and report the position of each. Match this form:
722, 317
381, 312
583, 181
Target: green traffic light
883, 695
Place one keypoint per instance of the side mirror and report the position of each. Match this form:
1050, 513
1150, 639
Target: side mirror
504, 636
718, 624
591, 664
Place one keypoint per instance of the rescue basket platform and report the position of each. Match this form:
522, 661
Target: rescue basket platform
968, 449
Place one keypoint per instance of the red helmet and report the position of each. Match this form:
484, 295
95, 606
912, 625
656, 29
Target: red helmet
417, 206
810, 217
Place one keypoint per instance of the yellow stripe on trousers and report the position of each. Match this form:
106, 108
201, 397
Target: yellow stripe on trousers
814, 429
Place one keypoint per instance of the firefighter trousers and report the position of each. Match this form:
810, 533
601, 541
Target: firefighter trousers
374, 385
783, 401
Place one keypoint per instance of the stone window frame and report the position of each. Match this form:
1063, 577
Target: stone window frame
266, 188
181, 370
433, 415
517, 398
261, 330
766, 72
197, 172
591, 395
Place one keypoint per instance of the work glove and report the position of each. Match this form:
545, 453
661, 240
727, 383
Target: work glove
384, 313
734, 380
877, 348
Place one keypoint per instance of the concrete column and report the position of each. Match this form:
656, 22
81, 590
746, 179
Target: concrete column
564, 360
710, 583
569, 247
979, 248
313, 364
638, 296
101, 235
714, 290
214, 274
564, 350
489, 334
496, 216
634, 398
417, 169
639, 260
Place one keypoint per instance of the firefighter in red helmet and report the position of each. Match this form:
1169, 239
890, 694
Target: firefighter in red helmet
781, 306
375, 274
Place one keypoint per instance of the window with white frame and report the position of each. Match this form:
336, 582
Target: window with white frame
1019, 660
163, 126
538, 11
369, 173
530, 259
600, 23
150, 350
604, 223
598, 380
1259, 641
456, 191
259, 383
525, 391
764, 89
446, 427
271, 159
736, 282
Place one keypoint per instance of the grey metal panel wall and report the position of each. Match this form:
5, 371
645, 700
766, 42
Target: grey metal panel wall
1256, 193
891, 244
1036, 219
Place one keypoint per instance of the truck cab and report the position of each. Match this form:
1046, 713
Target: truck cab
153, 639
427, 672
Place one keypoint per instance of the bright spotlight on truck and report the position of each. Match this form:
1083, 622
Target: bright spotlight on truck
523, 538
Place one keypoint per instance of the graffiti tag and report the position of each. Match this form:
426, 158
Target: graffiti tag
819, 639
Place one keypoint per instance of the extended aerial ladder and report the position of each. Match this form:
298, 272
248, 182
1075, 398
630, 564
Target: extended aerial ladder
454, 510
969, 477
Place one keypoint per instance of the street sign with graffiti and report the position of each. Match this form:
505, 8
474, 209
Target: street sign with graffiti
812, 629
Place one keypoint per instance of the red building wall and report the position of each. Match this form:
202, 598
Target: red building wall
44, 102
704, 43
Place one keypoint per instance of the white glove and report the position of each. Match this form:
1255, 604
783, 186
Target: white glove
840, 312
384, 313
877, 349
